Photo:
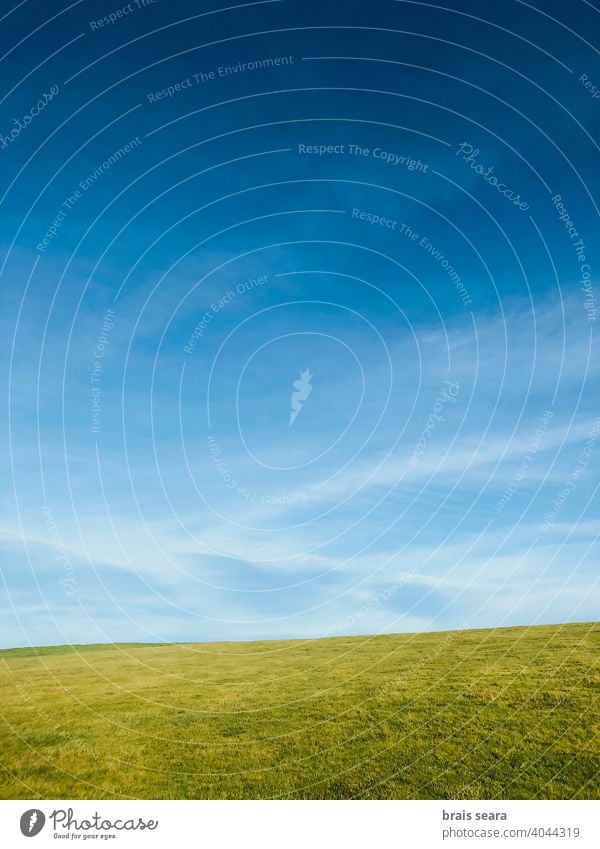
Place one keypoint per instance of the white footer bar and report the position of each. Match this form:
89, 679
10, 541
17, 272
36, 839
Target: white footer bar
301, 824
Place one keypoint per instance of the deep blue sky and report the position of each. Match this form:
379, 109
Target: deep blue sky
443, 471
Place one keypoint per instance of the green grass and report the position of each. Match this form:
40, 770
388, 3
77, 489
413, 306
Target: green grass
505, 713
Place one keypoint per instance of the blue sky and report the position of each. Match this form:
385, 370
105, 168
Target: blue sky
209, 238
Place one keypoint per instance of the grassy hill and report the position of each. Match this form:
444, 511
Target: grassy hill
507, 713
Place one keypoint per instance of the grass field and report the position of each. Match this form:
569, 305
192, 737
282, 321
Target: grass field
505, 713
